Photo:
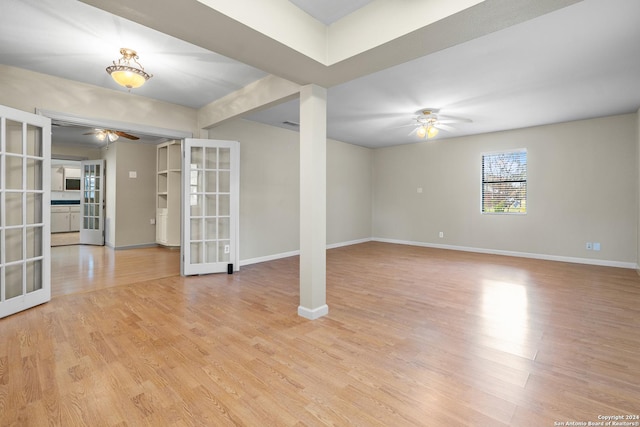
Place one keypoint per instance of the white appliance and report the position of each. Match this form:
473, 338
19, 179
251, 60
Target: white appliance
71, 179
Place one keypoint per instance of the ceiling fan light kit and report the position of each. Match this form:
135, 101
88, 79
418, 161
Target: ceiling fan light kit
110, 135
125, 72
429, 123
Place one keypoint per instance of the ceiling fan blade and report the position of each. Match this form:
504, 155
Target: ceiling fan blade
452, 119
403, 126
125, 135
444, 127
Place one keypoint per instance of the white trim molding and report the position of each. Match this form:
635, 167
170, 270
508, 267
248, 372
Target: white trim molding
575, 260
349, 243
266, 258
313, 313
273, 257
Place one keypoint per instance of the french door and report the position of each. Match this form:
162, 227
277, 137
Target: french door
210, 206
92, 202
25, 166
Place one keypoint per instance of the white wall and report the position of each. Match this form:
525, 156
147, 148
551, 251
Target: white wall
27, 90
135, 197
582, 187
349, 192
270, 189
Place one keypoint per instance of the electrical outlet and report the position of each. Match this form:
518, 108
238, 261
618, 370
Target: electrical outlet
152, 221
596, 246
589, 246
441, 234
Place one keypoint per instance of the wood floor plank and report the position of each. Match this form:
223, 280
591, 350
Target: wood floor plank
414, 337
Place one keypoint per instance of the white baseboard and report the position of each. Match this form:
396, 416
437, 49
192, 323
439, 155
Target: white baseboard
273, 257
266, 258
313, 314
145, 245
575, 260
349, 243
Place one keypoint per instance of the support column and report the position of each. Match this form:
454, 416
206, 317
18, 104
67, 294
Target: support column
313, 202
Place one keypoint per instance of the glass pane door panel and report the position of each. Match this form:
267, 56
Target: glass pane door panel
34, 174
13, 280
13, 244
14, 137
210, 229
14, 172
211, 159
34, 141
196, 253
225, 158
196, 205
223, 250
210, 180
197, 157
34, 242
34, 208
211, 252
13, 213
196, 229
211, 205
224, 204
34, 276
224, 229
224, 183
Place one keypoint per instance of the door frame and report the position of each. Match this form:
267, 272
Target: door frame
73, 120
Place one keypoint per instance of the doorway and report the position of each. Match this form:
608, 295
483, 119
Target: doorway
76, 138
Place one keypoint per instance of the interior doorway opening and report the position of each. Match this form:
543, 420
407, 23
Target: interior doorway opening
77, 138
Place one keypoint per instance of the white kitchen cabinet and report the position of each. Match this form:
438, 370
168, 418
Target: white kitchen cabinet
59, 219
65, 219
74, 218
57, 178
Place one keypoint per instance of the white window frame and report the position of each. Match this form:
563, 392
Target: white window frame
482, 182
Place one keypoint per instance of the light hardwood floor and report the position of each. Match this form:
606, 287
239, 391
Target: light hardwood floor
414, 336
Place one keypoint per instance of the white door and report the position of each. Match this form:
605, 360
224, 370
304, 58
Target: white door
92, 202
25, 173
210, 206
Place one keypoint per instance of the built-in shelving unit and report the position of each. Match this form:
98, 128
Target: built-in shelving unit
168, 193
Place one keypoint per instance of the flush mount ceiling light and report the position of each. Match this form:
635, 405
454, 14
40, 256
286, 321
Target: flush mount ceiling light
127, 71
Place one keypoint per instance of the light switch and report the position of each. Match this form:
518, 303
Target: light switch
133, 174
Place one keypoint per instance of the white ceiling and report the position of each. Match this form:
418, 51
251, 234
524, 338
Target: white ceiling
580, 61
329, 11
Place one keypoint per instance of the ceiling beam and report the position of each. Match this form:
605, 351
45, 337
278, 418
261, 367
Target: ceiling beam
195, 22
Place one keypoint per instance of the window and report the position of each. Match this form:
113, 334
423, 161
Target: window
504, 182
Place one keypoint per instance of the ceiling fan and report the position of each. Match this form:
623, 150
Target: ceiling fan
110, 135
428, 123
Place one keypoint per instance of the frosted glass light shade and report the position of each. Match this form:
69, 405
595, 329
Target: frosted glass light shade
128, 77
